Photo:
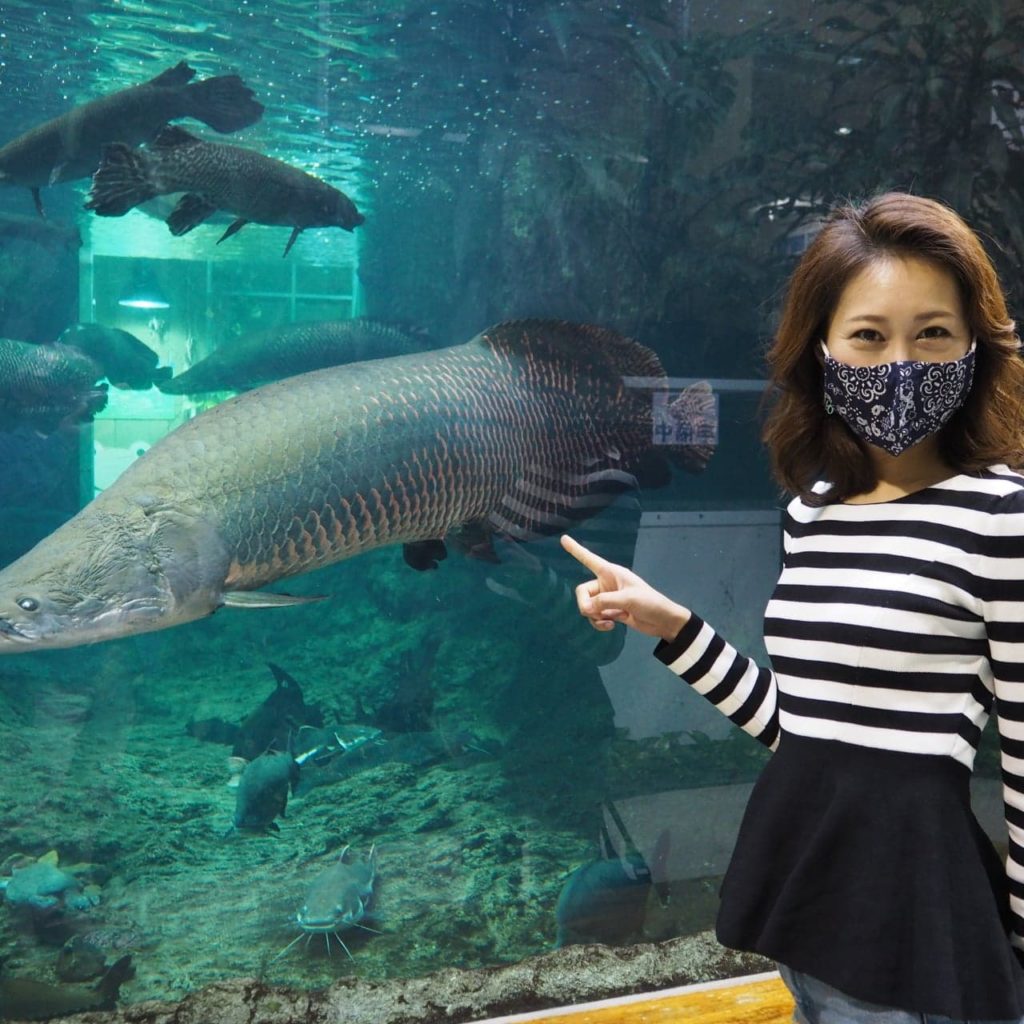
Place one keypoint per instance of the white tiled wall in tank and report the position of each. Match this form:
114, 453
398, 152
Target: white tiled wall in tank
205, 303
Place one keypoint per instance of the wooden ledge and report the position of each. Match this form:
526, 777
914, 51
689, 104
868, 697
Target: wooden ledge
758, 999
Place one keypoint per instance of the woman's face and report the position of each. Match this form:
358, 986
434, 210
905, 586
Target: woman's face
899, 308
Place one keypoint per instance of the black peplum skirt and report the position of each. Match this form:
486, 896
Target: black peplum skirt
868, 870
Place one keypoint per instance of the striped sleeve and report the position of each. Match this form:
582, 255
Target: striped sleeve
742, 691
1004, 621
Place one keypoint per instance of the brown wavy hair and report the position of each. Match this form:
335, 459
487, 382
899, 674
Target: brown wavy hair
805, 444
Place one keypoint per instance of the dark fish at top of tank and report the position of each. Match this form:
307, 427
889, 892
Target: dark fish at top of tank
125, 360
295, 348
30, 999
214, 176
524, 431
69, 147
263, 789
47, 387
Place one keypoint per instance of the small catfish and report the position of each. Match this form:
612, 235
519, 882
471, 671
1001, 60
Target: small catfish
69, 147
263, 791
337, 899
28, 999
255, 188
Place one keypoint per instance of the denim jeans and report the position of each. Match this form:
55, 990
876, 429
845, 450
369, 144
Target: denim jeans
818, 1003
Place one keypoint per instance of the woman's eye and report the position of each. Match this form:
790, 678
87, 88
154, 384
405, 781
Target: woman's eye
935, 332
867, 334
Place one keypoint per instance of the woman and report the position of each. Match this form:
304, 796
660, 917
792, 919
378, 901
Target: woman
896, 622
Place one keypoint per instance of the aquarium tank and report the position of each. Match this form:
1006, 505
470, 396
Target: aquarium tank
330, 317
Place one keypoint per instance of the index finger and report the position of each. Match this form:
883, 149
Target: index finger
595, 563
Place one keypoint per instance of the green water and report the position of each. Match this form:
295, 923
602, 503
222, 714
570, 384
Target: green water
653, 167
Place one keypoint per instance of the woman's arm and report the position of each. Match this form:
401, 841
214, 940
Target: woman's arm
744, 692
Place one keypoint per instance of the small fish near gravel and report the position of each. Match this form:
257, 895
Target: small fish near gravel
83, 957
43, 885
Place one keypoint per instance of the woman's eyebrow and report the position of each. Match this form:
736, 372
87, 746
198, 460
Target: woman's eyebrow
936, 314
933, 314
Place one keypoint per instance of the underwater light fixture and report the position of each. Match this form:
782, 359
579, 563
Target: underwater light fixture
143, 292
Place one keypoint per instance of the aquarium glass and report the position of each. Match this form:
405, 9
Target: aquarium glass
449, 278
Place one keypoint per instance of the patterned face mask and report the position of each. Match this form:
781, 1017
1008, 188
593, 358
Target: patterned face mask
896, 405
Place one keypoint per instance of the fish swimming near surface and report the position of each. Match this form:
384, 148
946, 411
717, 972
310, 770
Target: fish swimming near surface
255, 188
523, 431
263, 791
127, 362
292, 349
337, 899
47, 386
70, 146
29, 999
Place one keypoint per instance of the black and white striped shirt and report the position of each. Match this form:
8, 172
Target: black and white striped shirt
893, 626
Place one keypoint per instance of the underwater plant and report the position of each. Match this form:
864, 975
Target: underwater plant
926, 96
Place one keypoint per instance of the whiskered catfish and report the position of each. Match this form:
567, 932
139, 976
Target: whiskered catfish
338, 899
